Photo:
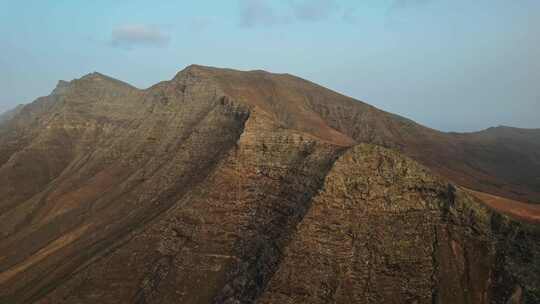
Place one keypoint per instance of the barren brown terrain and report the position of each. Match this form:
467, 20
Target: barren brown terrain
519, 210
223, 186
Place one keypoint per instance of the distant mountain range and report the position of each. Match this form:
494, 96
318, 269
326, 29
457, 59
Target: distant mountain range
223, 186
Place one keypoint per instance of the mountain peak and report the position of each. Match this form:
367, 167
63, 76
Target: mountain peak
196, 68
96, 77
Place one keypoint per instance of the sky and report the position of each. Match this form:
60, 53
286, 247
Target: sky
453, 65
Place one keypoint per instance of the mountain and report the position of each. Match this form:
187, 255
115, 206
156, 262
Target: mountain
503, 161
221, 186
8, 115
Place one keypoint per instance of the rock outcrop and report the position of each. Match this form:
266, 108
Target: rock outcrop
384, 230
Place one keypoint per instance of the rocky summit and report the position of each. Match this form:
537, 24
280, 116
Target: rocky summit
223, 186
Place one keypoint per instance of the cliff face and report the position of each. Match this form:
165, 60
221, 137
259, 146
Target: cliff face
222, 186
384, 230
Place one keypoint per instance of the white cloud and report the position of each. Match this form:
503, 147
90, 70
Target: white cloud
130, 36
255, 13
259, 13
314, 10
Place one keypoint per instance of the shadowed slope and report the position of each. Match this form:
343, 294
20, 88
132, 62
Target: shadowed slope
123, 157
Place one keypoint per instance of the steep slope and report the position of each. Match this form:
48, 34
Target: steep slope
384, 230
9, 114
503, 161
230, 228
380, 230
222, 186
508, 157
523, 211
101, 162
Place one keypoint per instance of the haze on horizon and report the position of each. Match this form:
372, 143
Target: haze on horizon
451, 65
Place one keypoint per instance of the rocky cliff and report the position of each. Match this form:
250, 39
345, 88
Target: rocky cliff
221, 186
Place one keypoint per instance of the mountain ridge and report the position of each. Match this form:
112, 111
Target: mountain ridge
474, 159
241, 187
62, 83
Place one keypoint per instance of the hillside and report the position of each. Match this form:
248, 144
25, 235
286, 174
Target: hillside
9, 114
503, 161
221, 186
